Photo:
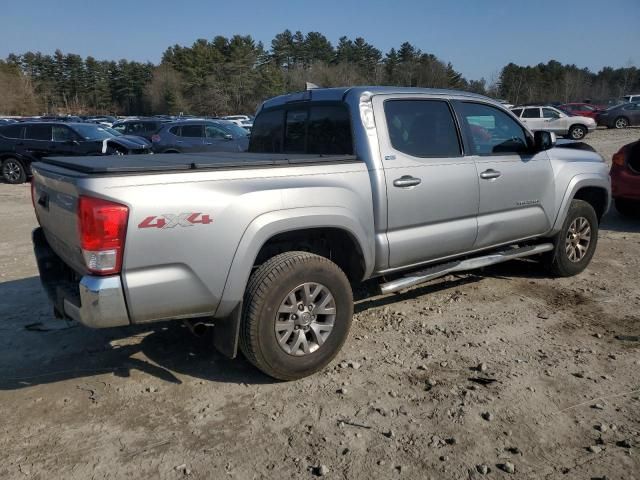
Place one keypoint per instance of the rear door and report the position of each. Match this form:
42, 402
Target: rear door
516, 186
191, 138
432, 189
532, 118
37, 141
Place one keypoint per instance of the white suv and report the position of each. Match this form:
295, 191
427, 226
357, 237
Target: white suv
553, 120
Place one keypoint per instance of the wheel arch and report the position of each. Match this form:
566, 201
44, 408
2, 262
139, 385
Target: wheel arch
593, 190
312, 230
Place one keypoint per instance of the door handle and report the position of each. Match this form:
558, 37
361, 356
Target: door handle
490, 174
209, 143
406, 181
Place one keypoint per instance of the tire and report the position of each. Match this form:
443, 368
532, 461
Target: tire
14, 171
267, 300
627, 208
568, 259
621, 122
577, 132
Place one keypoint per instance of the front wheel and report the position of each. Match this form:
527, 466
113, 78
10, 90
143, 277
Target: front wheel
296, 315
576, 242
577, 132
14, 171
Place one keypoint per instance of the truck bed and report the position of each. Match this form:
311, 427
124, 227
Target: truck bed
171, 162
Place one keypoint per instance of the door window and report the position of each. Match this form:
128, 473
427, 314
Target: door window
422, 128
491, 131
38, 132
62, 133
211, 131
549, 113
191, 131
531, 113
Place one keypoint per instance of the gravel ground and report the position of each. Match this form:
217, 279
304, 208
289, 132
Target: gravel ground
475, 376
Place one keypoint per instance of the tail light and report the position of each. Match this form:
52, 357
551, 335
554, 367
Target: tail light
155, 138
103, 226
618, 158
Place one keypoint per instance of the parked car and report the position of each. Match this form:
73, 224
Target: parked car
625, 179
620, 116
580, 109
140, 127
200, 136
340, 185
6, 121
631, 98
553, 120
24, 143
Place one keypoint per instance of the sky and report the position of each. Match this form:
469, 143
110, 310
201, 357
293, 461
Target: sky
477, 37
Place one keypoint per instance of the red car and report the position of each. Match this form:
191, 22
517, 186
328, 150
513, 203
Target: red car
625, 179
581, 109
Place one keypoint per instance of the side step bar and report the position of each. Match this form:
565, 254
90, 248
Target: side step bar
422, 276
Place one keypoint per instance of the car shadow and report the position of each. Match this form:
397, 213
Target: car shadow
36, 348
615, 222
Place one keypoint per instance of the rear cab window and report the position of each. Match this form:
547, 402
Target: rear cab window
320, 128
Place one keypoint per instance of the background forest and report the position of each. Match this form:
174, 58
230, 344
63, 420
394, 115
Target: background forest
233, 75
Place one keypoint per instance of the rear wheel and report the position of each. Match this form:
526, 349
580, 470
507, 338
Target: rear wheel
628, 208
13, 171
621, 122
577, 132
576, 242
297, 315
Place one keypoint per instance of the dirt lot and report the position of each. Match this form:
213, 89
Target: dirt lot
404, 399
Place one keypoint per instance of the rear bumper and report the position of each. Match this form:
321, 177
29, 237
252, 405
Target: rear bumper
624, 184
97, 302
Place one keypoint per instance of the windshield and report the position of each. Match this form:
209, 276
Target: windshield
112, 131
93, 132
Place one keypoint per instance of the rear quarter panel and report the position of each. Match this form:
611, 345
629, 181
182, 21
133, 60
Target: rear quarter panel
181, 271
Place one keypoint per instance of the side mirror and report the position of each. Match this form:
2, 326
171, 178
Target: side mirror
544, 140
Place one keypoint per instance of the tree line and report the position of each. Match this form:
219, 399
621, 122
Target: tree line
232, 75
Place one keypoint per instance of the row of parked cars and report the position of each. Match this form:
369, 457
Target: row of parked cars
22, 143
576, 120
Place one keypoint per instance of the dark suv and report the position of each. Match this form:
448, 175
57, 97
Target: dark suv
142, 128
23, 143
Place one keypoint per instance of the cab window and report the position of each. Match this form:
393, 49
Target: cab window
422, 128
490, 130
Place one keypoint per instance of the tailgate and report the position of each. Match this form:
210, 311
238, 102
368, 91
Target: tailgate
56, 202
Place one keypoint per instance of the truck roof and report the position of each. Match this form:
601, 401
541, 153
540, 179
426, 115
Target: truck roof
338, 94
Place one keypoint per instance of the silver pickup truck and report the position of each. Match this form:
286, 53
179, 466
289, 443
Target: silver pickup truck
339, 186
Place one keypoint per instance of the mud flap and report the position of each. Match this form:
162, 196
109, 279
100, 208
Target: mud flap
226, 333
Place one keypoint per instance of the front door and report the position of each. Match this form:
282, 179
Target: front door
517, 190
553, 121
432, 189
218, 140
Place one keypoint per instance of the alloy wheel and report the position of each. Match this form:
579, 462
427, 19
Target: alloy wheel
578, 239
305, 319
11, 170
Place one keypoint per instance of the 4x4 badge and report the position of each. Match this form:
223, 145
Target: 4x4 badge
170, 220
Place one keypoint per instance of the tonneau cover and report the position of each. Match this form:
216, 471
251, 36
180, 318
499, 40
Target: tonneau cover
185, 161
